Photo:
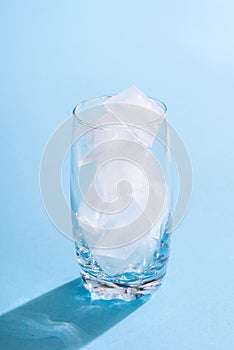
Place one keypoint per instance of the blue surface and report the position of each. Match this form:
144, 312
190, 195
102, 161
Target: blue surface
56, 53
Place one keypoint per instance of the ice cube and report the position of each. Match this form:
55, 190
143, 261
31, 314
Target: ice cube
132, 107
134, 257
134, 96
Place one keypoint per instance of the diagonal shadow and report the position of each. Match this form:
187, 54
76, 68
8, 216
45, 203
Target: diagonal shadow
65, 318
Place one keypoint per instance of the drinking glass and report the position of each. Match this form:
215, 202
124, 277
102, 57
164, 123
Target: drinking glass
121, 196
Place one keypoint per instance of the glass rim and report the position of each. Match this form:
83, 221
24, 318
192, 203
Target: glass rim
84, 103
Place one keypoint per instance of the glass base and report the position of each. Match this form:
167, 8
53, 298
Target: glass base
107, 290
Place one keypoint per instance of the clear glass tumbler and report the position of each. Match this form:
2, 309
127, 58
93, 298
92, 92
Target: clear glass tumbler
121, 196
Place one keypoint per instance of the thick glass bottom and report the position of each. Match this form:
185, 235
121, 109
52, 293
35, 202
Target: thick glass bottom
121, 273
108, 290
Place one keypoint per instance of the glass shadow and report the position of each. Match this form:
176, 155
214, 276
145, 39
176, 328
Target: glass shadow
65, 318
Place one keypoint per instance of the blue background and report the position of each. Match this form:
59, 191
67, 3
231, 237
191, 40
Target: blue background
57, 53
